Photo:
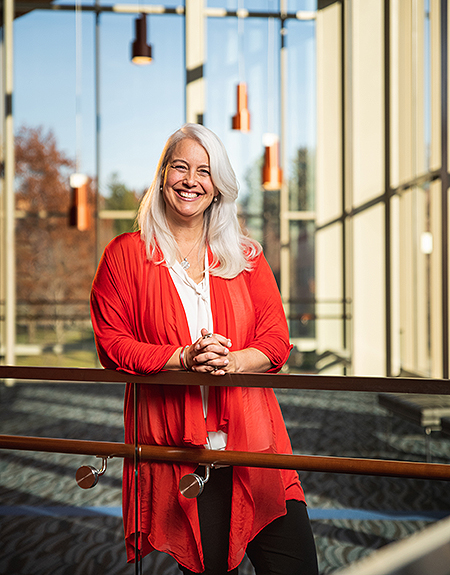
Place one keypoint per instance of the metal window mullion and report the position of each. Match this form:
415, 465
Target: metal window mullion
387, 187
444, 191
8, 184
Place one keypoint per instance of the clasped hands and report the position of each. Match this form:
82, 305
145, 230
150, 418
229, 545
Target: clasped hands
210, 354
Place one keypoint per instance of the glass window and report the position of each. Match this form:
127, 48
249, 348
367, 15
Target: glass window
301, 113
302, 288
55, 123
243, 59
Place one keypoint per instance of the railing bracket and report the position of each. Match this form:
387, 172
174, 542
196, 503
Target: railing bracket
87, 475
192, 485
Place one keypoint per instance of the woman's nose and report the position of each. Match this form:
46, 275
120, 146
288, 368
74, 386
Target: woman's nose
190, 178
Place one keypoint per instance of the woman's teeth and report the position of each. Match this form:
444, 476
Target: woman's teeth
188, 195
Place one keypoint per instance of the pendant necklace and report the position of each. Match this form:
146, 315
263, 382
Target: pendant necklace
184, 263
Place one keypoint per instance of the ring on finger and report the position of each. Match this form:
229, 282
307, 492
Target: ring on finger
207, 335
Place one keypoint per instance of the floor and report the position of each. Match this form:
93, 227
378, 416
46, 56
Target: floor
48, 525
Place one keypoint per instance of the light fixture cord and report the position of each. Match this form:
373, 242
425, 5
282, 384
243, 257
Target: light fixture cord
241, 60
270, 76
78, 83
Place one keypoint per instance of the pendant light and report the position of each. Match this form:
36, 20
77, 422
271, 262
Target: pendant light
272, 174
79, 210
141, 52
241, 121
79, 215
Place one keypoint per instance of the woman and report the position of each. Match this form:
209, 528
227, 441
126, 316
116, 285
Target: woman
190, 292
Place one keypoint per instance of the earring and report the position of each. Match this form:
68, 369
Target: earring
215, 199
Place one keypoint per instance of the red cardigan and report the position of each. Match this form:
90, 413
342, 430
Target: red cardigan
139, 321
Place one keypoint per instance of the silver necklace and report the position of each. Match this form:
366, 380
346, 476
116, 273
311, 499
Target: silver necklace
184, 263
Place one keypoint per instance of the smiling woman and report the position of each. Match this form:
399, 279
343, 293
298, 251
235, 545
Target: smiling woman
231, 250
188, 191
191, 292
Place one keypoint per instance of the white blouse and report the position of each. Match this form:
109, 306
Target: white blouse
197, 306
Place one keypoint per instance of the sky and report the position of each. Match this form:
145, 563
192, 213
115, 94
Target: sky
140, 106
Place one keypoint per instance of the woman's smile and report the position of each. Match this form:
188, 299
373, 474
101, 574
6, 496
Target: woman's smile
188, 195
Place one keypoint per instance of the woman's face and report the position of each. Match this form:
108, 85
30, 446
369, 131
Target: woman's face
188, 189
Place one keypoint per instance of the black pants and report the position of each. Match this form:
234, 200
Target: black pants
284, 547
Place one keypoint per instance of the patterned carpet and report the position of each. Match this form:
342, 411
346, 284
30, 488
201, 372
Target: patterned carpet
48, 525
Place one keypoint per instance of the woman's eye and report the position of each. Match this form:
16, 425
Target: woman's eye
204, 172
179, 167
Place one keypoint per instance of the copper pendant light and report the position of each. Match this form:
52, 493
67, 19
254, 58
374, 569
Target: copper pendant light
79, 214
272, 174
241, 121
141, 52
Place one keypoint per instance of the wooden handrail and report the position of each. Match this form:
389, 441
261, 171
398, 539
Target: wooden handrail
358, 466
278, 381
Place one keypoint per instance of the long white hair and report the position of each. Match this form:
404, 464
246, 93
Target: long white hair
232, 251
